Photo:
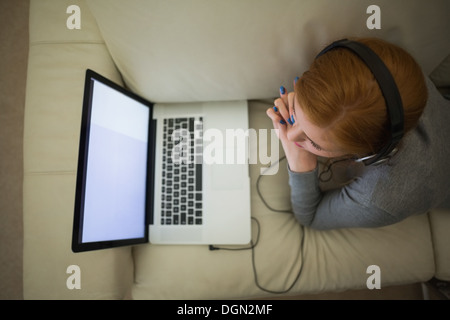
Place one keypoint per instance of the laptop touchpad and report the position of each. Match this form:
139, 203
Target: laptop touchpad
228, 176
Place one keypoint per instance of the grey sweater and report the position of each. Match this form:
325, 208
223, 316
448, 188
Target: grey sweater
415, 180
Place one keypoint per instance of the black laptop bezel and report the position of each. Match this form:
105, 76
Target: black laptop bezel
77, 244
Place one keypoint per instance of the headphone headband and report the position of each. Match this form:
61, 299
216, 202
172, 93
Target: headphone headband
389, 90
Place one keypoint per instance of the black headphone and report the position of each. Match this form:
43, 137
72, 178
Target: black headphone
390, 93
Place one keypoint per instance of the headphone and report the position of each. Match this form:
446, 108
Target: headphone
390, 93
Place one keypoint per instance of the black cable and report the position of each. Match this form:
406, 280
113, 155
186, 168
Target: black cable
259, 191
328, 168
253, 245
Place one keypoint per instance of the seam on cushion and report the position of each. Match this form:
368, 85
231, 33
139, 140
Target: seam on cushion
43, 173
42, 42
433, 246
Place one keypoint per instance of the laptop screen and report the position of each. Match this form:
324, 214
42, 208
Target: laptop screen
111, 203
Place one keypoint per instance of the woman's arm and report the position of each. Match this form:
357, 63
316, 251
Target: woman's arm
345, 207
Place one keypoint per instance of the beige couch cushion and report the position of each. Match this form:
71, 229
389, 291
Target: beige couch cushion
201, 50
197, 63
57, 62
330, 260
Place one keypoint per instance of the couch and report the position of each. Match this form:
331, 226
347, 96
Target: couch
192, 51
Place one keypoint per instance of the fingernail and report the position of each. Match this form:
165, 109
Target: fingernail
282, 122
289, 120
296, 79
292, 119
275, 108
282, 90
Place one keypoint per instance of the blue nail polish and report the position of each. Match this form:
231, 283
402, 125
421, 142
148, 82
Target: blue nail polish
292, 119
296, 79
282, 122
275, 109
282, 90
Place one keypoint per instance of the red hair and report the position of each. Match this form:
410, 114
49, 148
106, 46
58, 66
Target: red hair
340, 94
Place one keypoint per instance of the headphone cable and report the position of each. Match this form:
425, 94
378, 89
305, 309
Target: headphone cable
253, 244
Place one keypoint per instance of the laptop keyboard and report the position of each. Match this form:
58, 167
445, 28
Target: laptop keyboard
182, 171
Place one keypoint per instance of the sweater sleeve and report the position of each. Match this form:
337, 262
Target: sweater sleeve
348, 206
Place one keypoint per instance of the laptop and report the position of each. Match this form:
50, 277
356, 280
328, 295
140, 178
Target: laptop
159, 173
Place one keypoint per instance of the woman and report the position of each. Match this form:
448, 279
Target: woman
337, 110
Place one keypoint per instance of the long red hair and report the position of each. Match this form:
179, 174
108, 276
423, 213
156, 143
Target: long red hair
340, 94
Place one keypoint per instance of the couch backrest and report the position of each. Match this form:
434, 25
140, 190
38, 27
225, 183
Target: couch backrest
201, 50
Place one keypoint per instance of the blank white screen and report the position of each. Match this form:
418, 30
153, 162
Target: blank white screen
115, 192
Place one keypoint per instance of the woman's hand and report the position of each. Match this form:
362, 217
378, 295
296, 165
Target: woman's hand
299, 159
